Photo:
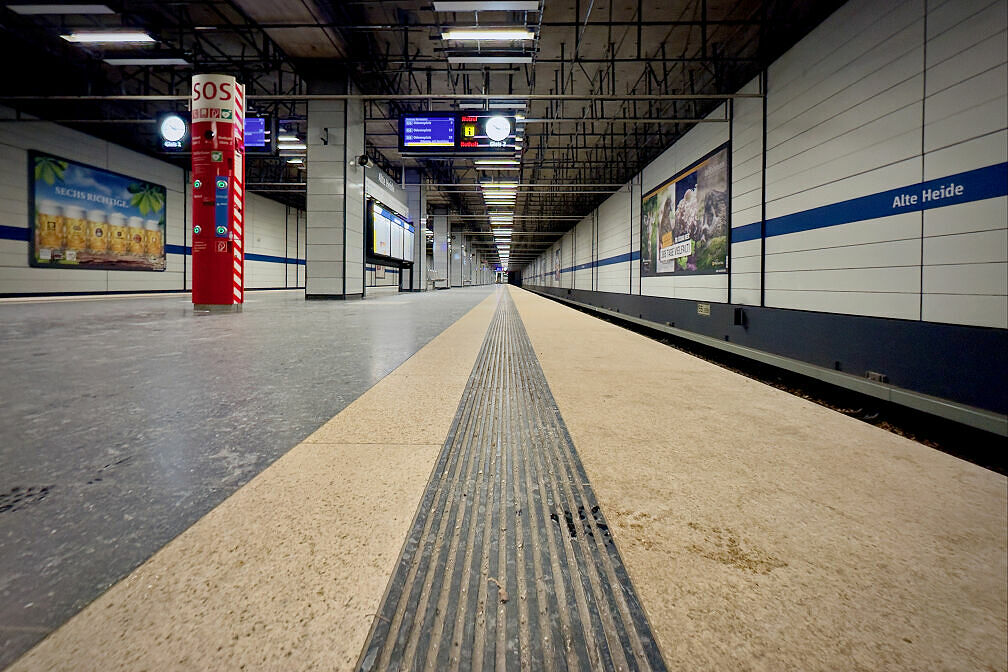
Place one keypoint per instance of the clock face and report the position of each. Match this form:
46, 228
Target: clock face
173, 129
498, 128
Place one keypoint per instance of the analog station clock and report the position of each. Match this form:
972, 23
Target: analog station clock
498, 128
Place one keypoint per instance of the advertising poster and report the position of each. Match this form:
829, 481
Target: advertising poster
684, 222
86, 217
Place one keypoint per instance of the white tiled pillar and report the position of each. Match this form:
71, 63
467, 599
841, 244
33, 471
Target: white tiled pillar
335, 230
441, 265
458, 249
416, 197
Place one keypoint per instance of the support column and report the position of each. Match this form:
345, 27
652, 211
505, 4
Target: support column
455, 262
441, 265
335, 232
416, 199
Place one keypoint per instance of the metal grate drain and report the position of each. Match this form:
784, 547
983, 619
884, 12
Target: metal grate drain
509, 564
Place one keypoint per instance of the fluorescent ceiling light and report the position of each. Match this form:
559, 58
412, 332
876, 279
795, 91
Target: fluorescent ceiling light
296, 160
147, 61
499, 168
293, 145
108, 37
60, 9
287, 137
496, 162
488, 34
508, 105
489, 60
486, 6
499, 184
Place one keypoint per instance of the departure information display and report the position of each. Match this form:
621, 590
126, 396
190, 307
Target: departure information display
426, 131
480, 133
255, 132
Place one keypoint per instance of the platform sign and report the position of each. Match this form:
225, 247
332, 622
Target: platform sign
80, 216
684, 222
218, 170
479, 133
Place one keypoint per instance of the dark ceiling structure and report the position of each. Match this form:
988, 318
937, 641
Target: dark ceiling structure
604, 86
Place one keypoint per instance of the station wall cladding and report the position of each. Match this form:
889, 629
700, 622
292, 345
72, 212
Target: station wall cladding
868, 208
274, 233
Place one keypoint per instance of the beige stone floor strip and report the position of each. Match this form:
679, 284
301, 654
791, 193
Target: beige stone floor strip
287, 573
765, 532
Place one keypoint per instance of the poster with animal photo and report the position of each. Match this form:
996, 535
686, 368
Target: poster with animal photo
81, 216
684, 222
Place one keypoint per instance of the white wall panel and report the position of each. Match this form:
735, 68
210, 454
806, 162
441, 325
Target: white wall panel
967, 248
966, 110
874, 304
976, 310
880, 96
986, 150
583, 252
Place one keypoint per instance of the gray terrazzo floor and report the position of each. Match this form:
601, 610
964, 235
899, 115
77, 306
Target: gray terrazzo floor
124, 421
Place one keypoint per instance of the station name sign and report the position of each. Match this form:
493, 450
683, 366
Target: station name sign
464, 133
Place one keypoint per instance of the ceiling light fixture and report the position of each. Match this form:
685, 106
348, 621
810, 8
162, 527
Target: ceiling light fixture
295, 161
488, 34
486, 6
147, 61
489, 60
496, 162
79, 10
108, 37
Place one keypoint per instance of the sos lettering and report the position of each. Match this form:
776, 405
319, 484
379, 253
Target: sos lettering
211, 91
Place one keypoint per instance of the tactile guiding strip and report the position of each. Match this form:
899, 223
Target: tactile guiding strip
509, 564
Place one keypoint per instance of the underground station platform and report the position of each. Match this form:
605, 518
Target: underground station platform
512, 485
510, 335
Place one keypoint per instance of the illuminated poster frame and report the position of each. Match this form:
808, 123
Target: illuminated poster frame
686, 221
81, 216
392, 219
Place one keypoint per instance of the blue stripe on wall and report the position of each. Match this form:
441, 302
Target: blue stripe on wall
972, 185
21, 233
13, 233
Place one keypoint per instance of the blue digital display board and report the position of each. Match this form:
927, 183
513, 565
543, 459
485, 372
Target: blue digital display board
428, 131
255, 132
481, 133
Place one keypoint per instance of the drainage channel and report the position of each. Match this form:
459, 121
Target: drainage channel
509, 564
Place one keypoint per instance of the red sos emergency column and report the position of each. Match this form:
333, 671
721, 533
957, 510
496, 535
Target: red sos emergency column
218, 172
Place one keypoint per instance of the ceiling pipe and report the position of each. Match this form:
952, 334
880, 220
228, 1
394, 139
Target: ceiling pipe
400, 96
